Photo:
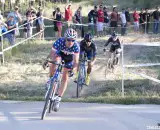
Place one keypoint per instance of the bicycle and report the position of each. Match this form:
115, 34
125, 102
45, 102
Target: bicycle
81, 80
52, 89
113, 60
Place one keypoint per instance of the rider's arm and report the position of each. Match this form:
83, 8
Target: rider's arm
55, 48
76, 58
119, 43
76, 62
108, 41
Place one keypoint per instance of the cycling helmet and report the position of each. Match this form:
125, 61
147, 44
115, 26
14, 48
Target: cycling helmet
70, 33
88, 37
114, 36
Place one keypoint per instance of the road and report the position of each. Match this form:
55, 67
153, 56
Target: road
78, 116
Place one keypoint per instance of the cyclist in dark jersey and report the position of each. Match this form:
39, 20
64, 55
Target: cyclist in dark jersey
115, 44
88, 47
66, 49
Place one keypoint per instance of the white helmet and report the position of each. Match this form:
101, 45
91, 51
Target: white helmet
70, 33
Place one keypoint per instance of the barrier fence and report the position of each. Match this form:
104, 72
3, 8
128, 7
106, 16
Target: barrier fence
126, 66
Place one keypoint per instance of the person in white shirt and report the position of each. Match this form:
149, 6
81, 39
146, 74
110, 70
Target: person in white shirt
123, 22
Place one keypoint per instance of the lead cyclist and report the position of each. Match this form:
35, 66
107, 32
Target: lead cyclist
66, 49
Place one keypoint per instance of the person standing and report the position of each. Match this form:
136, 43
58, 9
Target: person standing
146, 17
100, 21
17, 18
92, 19
123, 22
136, 20
141, 20
156, 17
68, 14
114, 19
128, 16
106, 19
78, 20
58, 18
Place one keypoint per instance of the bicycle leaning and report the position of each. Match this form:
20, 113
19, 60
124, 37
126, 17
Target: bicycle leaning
53, 85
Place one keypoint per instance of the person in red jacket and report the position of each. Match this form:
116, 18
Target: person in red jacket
68, 14
136, 20
100, 21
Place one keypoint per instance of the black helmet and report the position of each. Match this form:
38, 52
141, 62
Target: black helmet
88, 37
114, 34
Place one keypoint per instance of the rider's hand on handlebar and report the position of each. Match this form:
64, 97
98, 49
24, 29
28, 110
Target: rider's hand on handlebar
45, 64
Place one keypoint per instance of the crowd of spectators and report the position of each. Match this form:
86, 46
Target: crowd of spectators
100, 19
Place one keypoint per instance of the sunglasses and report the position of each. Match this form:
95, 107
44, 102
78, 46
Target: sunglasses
70, 40
88, 41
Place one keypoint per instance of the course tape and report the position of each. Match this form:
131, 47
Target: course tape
146, 76
141, 65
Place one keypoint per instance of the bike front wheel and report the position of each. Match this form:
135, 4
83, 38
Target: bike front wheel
47, 101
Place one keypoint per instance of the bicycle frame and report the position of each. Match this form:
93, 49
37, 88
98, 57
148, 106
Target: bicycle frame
53, 88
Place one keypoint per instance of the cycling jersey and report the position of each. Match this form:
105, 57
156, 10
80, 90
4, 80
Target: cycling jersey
91, 50
114, 44
66, 53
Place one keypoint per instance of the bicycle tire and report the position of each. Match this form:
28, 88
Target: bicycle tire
47, 101
79, 82
51, 105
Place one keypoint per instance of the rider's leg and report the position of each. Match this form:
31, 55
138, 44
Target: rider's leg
64, 82
62, 89
89, 69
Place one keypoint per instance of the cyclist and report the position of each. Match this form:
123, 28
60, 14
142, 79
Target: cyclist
115, 45
88, 47
66, 49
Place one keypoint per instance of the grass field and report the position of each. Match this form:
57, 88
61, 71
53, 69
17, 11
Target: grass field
22, 76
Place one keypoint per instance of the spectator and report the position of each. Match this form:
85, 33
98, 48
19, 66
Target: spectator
11, 25
17, 18
92, 19
114, 19
156, 17
55, 23
3, 29
100, 21
123, 22
106, 18
68, 14
141, 20
28, 24
58, 18
40, 24
78, 19
128, 17
31, 11
146, 17
136, 20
